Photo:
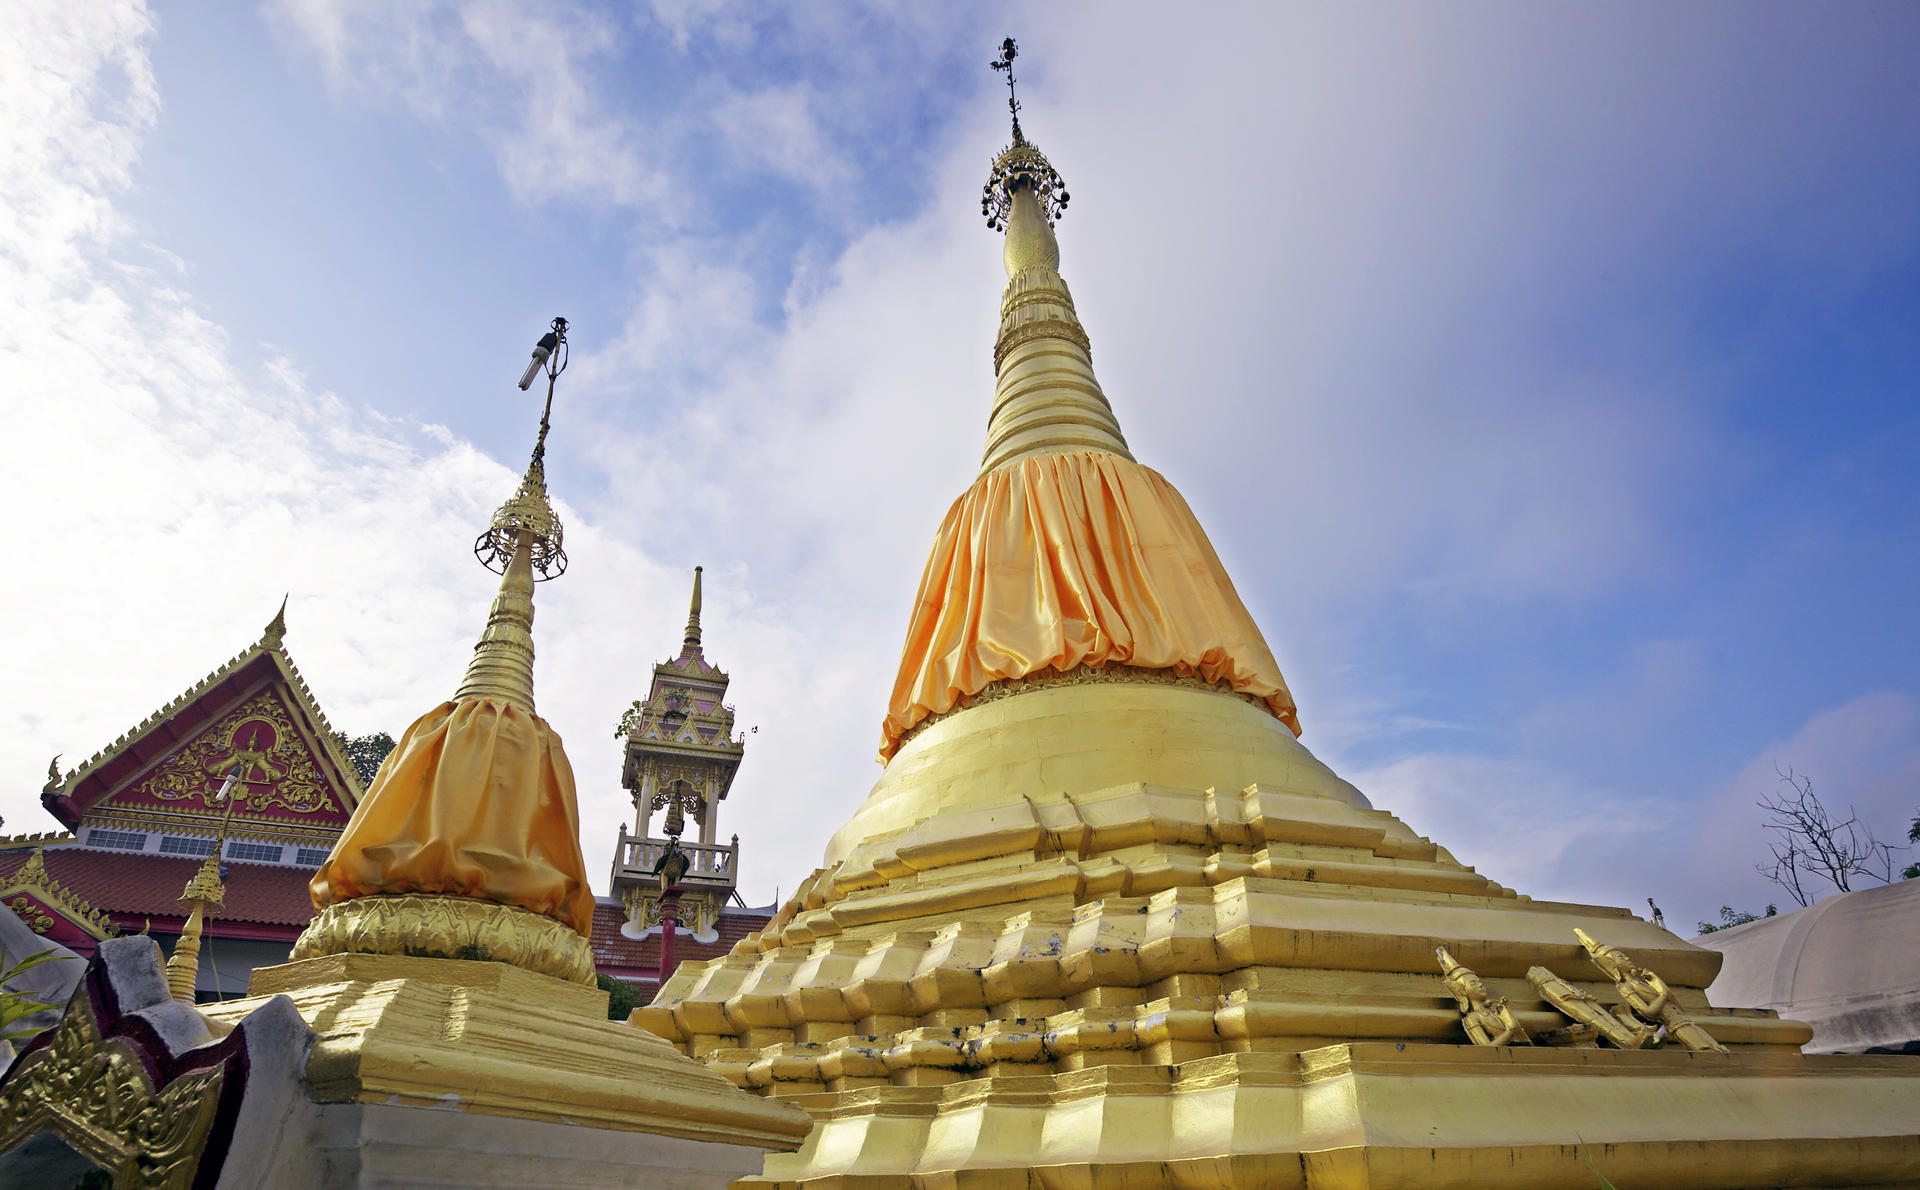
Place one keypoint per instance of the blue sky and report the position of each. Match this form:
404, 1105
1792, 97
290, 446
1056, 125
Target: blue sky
1545, 376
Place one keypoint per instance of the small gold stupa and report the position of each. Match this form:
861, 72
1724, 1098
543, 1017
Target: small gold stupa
1104, 922
459, 1035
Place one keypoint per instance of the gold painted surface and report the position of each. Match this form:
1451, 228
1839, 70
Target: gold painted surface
183, 965
502, 665
1068, 559
1060, 740
1383, 1117
97, 1096
487, 1038
448, 927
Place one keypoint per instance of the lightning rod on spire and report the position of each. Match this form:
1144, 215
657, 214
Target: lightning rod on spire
1008, 52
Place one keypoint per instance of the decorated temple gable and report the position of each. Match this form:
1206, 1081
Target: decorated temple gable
156, 788
51, 909
145, 812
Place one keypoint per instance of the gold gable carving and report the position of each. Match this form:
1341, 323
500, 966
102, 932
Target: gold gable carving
95, 1095
33, 879
282, 774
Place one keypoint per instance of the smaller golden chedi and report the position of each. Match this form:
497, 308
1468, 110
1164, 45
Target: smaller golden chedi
467, 843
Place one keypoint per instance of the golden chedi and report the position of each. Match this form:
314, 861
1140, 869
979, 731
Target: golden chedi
1104, 922
466, 844
459, 1035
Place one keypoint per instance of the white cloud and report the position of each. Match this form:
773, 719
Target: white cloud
521, 73
776, 128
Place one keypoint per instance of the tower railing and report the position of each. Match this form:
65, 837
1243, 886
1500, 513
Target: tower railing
709, 864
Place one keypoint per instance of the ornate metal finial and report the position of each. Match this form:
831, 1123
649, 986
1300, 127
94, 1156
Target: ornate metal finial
1008, 52
529, 511
1019, 164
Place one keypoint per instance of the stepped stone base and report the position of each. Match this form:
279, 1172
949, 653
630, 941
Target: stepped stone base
1382, 1116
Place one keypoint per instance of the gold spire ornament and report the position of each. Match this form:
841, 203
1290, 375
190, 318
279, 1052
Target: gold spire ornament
204, 891
467, 843
693, 617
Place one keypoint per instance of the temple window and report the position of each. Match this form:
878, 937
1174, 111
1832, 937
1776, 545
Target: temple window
117, 840
185, 845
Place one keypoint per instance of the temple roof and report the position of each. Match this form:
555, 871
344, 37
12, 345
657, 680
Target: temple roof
616, 954
135, 884
264, 668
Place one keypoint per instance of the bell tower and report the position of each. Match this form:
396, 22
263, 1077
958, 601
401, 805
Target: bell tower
681, 754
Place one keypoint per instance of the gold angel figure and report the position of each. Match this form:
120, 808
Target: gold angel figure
1647, 994
1487, 1019
1580, 1006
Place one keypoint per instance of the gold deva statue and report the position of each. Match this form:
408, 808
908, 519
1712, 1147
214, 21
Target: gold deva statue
1580, 1006
1647, 995
1487, 1020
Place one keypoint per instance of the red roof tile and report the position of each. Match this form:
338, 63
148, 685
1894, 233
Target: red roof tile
149, 885
611, 948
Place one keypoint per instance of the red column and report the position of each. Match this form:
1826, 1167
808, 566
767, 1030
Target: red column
669, 918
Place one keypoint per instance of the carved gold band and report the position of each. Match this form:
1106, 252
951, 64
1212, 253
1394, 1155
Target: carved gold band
447, 927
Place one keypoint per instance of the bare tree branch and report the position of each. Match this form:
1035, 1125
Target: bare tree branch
1813, 845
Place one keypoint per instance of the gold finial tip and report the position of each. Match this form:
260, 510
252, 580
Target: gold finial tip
276, 629
692, 639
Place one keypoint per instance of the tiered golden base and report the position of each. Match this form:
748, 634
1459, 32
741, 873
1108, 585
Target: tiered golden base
1136, 935
492, 1039
1383, 1117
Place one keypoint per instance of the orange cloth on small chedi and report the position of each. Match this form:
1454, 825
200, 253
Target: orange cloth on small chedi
467, 843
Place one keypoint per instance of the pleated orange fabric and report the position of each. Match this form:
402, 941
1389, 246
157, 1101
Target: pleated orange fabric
476, 800
1055, 561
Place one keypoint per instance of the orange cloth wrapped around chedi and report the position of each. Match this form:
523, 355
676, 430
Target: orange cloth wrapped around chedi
1080, 558
455, 810
477, 798
1065, 553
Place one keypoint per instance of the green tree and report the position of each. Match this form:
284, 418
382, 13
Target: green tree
365, 752
1729, 917
622, 997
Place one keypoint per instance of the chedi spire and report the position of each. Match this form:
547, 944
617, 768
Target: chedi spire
1046, 397
467, 843
1066, 555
